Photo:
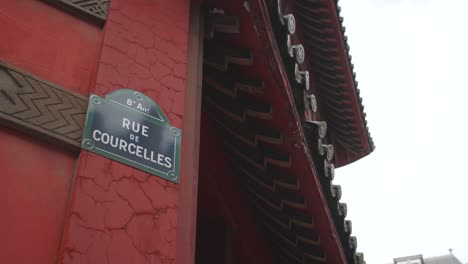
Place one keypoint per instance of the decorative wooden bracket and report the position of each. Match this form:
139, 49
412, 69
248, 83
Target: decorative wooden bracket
42, 109
92, 10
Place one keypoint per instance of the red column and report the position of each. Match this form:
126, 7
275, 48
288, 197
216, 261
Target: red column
119, 214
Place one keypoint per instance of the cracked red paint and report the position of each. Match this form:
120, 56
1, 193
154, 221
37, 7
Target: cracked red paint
120, 214
129, 214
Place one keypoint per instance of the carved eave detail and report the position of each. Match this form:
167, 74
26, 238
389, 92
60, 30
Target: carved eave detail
319, 144
324, 37
255, 146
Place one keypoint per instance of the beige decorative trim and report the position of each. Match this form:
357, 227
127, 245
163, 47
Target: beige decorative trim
40, 108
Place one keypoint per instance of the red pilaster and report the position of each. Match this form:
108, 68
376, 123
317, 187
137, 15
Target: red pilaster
119, 214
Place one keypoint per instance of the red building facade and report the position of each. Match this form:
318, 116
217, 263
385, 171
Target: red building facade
266, 98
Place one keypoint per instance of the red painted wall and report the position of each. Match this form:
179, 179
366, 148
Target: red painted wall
34, 191
120, 214
36, 178
49, 43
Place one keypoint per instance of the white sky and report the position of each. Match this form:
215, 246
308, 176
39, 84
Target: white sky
410, 195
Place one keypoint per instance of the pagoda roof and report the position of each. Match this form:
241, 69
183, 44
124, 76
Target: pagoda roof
289, 100
325, 41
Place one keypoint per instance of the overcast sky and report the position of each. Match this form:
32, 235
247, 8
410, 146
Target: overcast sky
410, 196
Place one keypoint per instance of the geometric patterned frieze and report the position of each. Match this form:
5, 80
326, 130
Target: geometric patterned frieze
40, 108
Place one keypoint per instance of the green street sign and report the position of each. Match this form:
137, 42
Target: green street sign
129, 127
